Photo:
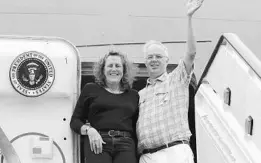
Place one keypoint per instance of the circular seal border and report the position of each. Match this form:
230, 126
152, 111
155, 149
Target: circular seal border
21, 59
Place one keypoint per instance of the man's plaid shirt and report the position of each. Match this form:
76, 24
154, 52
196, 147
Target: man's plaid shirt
163, 112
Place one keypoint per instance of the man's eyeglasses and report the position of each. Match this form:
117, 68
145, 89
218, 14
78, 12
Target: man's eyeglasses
155, 56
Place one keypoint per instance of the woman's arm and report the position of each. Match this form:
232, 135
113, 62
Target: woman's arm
80, 113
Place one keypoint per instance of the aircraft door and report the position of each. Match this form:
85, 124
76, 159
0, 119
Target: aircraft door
40, 83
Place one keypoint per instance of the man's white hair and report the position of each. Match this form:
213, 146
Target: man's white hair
158, 44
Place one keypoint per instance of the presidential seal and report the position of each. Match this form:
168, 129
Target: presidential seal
32, 74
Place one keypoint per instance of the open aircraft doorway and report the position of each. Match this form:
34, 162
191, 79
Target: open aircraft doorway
139, 83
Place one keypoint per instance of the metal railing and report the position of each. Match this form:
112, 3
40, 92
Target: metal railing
7, 150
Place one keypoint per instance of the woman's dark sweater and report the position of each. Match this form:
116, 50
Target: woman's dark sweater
104, 110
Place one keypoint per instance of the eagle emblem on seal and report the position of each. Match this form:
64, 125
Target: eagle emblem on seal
31, 74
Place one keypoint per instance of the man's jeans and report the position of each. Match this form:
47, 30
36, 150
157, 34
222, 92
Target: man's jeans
116, 150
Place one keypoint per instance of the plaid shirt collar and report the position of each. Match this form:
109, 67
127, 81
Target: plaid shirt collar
161, 78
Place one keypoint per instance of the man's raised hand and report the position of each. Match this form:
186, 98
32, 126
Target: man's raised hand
192, 6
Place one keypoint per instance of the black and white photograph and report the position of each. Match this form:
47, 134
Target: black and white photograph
141, 81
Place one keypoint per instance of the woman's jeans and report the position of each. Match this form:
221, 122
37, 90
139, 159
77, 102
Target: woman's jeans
116, 150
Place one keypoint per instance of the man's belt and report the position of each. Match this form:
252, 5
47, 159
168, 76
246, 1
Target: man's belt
165, 146
113, 133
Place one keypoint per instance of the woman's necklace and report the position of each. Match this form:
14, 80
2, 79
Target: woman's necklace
113, 91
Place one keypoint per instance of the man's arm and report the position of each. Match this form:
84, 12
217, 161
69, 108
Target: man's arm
192, 6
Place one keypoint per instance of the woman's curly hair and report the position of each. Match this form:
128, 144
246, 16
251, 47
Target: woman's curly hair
128, 71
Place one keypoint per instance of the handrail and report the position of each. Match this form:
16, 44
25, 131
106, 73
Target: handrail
250, 58
243, 51
7, 149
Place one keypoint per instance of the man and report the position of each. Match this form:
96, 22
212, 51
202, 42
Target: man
162, 128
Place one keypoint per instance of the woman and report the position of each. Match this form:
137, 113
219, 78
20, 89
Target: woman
107, 112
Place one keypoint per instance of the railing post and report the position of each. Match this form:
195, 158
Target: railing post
7, 149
